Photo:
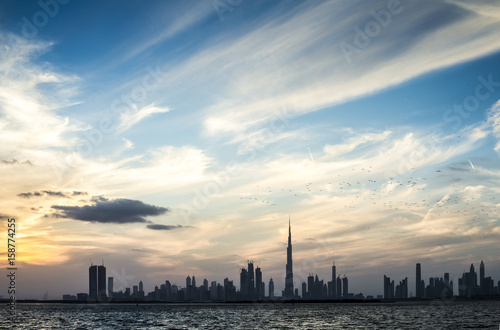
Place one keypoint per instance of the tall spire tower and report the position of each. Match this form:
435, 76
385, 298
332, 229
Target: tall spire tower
289, 294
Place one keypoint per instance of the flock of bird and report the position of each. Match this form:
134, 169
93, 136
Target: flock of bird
413, 197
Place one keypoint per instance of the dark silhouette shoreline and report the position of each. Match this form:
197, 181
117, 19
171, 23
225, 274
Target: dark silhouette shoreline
279, 301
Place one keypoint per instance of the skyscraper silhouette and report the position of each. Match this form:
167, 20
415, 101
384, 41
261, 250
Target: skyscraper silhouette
334, 286
250, 281
271, 288
101, 281
310, 286
258, 284
205, 284
110, 287
448, 286
289, 293
388, 288
467, 285
339, 288
482, 283
93, 281
472, 281
168, 290
418, 279
244, 283
402, 289
345, 287
141, 290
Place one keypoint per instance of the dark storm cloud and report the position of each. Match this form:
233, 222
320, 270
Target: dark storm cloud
165, 227
111, 211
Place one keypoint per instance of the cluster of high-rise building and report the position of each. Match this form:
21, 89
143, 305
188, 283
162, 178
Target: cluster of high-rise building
251, 285
438, 287
253, 288
337, 288
468, 285
400, 292
442, 287
193, 293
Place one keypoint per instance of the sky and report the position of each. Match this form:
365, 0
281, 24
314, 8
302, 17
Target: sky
171, 138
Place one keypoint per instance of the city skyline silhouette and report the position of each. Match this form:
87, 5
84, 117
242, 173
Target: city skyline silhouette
172, 138
252, 287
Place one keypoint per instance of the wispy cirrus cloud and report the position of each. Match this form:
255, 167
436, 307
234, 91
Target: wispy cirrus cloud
185, 17
159, 169
354, 142
133, 117
481, 7
128, 144
255, 84
28, 115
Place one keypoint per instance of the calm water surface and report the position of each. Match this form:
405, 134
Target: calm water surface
411, 315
